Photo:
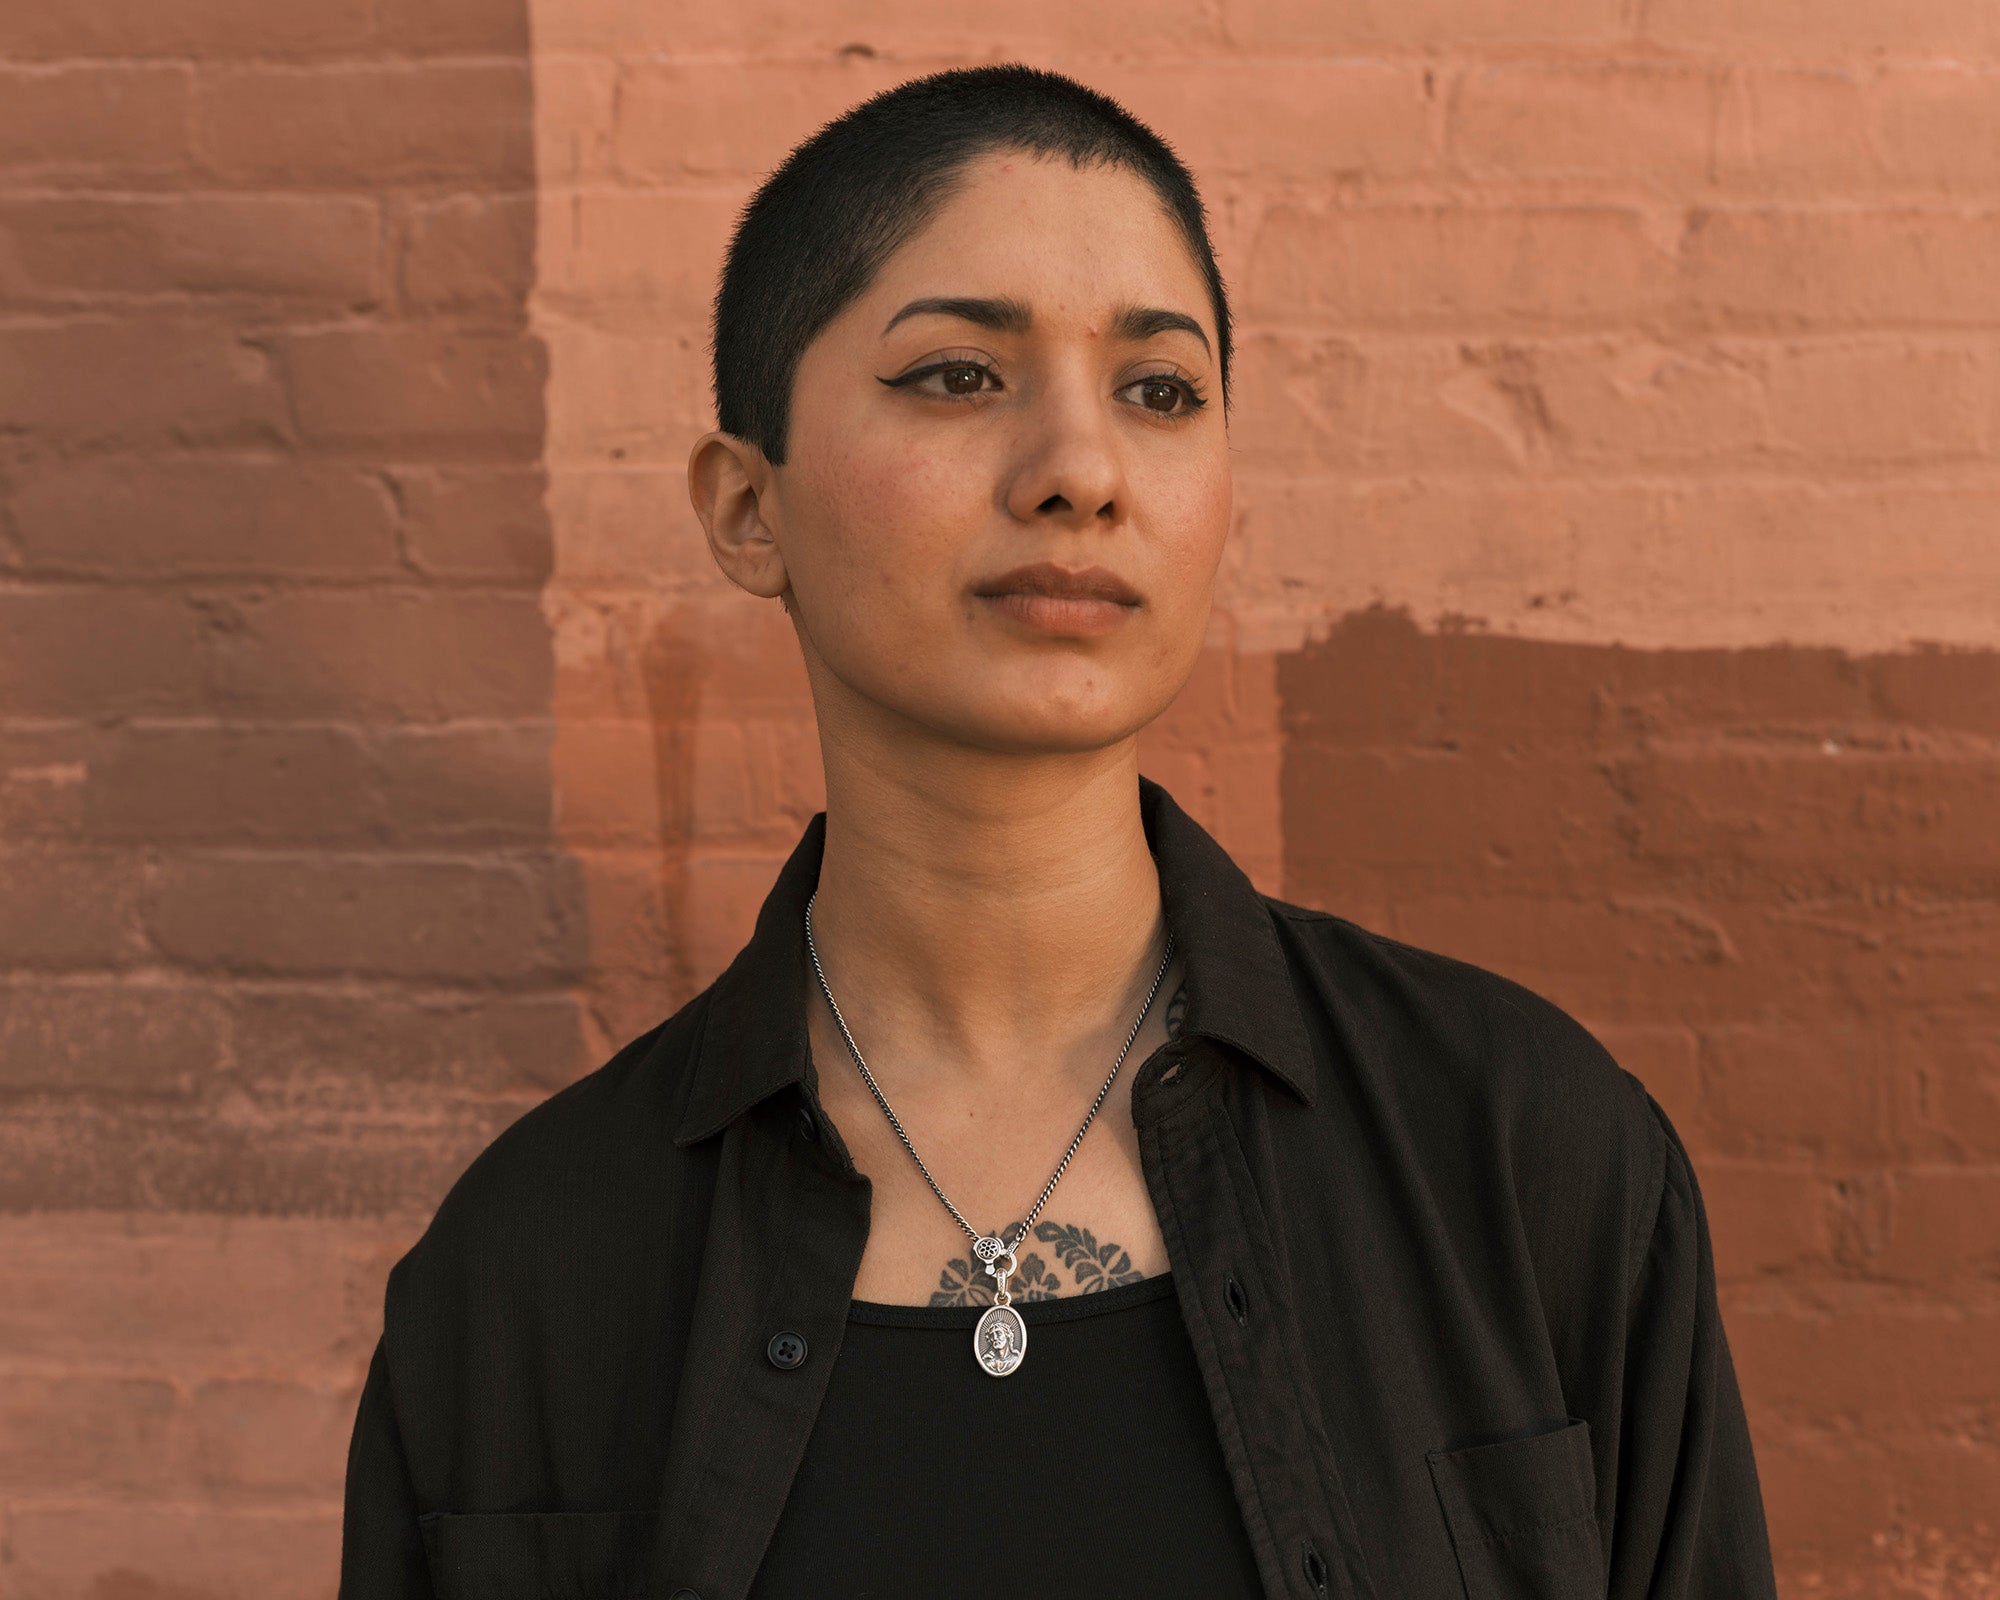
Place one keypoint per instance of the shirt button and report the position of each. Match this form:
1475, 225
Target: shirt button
684, 1594
808, 1128
786, 1349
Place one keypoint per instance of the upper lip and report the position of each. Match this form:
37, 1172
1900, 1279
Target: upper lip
1045, 577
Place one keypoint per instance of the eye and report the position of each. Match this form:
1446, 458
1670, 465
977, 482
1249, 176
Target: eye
1160, 391
961, 379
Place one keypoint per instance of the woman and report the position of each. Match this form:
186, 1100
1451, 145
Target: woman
1033, 1204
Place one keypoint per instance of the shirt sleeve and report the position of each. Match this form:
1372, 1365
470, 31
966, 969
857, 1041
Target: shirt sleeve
1690, 1514
381, 1547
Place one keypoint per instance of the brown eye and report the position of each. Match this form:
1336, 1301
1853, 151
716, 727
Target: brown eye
963, 378
1158, 394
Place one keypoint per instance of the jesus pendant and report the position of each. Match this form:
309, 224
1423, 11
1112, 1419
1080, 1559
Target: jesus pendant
1000, 1338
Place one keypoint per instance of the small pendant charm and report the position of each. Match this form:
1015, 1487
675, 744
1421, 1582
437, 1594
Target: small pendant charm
1000, 1340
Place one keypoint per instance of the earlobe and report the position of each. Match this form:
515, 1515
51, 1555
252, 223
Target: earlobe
728, 485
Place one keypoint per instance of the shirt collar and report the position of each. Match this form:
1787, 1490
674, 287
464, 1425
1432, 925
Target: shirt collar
1239, 985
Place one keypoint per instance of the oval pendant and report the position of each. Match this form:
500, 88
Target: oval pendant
1000, 1340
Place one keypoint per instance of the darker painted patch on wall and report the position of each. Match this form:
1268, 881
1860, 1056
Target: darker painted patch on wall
1775, 871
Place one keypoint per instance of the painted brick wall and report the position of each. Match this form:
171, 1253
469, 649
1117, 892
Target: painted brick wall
1616, 546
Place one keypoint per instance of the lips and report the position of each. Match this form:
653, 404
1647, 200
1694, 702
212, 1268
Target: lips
1062, 583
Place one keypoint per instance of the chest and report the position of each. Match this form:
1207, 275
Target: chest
1097, 1230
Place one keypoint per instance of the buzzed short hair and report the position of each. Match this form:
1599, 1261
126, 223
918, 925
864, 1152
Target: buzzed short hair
812, 238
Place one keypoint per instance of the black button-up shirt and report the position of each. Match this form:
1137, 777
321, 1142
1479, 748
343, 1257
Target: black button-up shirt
1444, 1265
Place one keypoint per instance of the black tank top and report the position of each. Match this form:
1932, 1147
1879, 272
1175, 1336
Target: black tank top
1093, 1470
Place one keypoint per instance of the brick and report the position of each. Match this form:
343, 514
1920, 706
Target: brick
636, 260
122, 29
44, 773
470, 252
453, 27
1400, 265
1282, 27
266, 1437
1895, 562
1941, 1224
1783, 130
1904, 128
271, 1155
217, 517
1628, 121
1777, 1089
435, 122
490, 1045
1848, 401
1351, 119
674, 118
576, 102
628, 399
463, 786
419, 391
1830, 808
1828, 28
867, 30
223, 784
118, 1551
488, 525
62, 908
1868, 1358
469, 922
195, 1296
1439, 809
1828, 1499
1954, 1069
92, 123
1765, 1220
631, 529
97, 1038
393, 653
610, 774
311, 249
1476, 548
135, 381
1773, 268
60, 1433
52, 665
1939, 126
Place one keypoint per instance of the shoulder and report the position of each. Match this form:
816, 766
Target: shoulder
545, 1189
1477, 1067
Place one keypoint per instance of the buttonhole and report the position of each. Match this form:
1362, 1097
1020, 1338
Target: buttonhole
1171, 1073
1239, 1303
1315, 1568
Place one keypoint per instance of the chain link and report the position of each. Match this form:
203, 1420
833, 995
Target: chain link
896, 1123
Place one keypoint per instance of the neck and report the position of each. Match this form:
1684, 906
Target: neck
988, 912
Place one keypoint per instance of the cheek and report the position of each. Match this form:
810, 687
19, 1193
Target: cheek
891, 516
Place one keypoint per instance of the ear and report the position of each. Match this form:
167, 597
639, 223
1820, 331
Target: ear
729, 483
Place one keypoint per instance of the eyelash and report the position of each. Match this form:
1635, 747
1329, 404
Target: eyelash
1191, 392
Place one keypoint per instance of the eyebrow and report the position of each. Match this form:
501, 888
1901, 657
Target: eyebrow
1007, 315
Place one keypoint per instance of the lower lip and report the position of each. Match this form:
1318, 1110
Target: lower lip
1062, 614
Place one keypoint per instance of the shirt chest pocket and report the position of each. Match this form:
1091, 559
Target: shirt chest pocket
552, 1555
1522, 1515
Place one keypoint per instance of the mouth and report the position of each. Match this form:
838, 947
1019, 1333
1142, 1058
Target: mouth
1047, 579
1053, 601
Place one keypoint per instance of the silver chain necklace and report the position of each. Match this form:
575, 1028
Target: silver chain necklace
1000, 1339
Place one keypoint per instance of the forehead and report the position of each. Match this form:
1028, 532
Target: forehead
1065, 239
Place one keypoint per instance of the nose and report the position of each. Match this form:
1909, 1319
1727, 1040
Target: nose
1069, 470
